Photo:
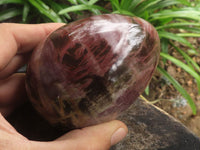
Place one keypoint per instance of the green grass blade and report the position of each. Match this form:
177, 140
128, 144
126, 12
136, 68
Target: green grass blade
147, 90
179, 88
192, 29
172, 36
82, 1
188, 34
94, 11
185, 2
73, 2
184, 67
197, 9
115, 5
140, 7
167, 3
144, 6
26, 10
187, 57
92, 2
45, 10
192, 14
81, 7
115, 2
124, 12
58, 7
178, 25
73, 9
10, 13
129, 5
11, 2
42, 4
152, 5
164, 47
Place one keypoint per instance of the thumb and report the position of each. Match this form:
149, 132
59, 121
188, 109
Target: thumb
98, 137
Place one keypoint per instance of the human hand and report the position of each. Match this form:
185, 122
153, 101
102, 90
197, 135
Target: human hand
17, 41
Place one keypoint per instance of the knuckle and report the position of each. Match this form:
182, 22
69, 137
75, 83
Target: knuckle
4, 26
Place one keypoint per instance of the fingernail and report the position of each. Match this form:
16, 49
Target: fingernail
118, 136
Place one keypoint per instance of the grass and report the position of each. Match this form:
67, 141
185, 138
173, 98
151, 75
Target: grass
165, 15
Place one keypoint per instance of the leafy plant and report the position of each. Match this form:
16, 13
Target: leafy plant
48, 10
179, 88
182, 17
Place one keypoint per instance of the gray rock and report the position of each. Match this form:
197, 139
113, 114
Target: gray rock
149, 128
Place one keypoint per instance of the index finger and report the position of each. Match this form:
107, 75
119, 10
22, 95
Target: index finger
17, 38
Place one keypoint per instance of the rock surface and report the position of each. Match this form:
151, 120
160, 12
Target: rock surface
153, 129
149, 129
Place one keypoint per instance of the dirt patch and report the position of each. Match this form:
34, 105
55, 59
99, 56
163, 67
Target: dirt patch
165, 96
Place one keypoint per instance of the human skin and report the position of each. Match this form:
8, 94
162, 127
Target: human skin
17, 42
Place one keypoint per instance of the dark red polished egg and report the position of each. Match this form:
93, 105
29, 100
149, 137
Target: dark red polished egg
91, 70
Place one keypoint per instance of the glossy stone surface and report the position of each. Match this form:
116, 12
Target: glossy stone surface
91, 70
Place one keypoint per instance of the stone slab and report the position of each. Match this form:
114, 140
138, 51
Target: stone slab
149, 128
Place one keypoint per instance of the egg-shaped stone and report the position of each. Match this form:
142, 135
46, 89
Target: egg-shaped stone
91, 70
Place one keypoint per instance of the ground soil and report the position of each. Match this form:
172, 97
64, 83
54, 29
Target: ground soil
165, 96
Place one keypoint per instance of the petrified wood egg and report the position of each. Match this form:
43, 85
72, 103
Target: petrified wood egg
91, 70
